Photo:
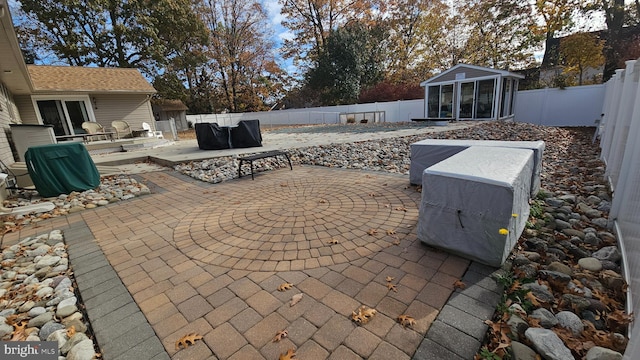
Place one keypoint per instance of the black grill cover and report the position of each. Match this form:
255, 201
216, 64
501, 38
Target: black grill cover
212, 137
246, 134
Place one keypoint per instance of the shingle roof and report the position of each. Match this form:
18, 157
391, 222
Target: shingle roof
169, 104
88, 79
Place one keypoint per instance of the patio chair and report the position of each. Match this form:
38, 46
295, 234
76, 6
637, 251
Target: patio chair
122, 129
151, 133
94, 128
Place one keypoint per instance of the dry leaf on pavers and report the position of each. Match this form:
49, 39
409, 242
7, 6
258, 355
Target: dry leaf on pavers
396, 241
285, 286
406, 320
290, 354
284, 185
295, 299
401, 208
322, 201
189, 339
390, 278
333, 241
419, 189
391, 232
372, 232
363, 314
458, 284
372, 194
392, 287
281, 335
387, 205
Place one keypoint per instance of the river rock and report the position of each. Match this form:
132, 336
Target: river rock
560, 267
82, 351
73, 341
575, 302
608, 253
546, 317
540, 291
600, 353
548, 344
66, 310
571, 321
40, 320
48, 329
522, 352
590, 263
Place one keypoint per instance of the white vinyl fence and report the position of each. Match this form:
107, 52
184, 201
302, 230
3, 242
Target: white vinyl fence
393, 111
573, 106
619, 140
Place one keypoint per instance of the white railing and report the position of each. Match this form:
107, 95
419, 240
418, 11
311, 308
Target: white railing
619, 140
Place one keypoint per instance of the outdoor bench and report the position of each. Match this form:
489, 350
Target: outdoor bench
262, 155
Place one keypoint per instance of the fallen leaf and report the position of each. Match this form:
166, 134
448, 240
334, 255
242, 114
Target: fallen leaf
19, 333
281, 335
71, 331
391, 232
401, 208
290, 354
406, 320
322, 201
333, 241
189, 339
534, 300
389, 278
372, 194
295, 299
458, 284
285, 286
396, 241
363, 314
284, 185
392, 287
372, 232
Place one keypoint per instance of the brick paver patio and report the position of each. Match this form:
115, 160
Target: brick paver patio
207, 259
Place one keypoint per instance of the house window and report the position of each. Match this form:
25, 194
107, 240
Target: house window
433, 102
440, 101
66, 115
507, 94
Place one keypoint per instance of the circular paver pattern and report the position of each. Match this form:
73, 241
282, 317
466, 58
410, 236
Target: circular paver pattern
296, 220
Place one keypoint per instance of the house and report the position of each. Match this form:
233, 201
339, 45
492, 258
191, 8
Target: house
469, 92
166, 109
64, 96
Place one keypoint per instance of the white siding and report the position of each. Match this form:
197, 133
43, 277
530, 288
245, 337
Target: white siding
8, 115
25, 107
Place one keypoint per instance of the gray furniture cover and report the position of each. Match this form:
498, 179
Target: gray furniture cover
429, 152
471, 196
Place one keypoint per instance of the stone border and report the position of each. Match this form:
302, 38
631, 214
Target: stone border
121, 329
459, 330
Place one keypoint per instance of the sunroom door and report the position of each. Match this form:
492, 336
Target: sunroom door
466, 100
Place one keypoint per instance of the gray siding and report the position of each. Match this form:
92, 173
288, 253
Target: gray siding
470, 73
132, 108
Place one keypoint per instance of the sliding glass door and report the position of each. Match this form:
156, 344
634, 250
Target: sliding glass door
66, 115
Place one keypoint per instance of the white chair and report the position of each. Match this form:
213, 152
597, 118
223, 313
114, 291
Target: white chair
151, 133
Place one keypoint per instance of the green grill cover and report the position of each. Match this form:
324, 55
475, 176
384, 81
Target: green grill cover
61, 168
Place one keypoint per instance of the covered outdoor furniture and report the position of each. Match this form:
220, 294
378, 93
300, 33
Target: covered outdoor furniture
210, 136
476, 202
246, 134
428, 152
122, 129
61, 168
